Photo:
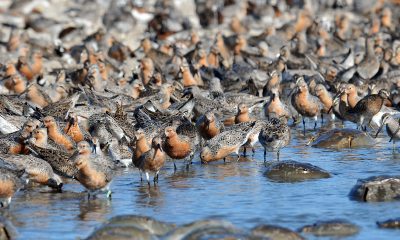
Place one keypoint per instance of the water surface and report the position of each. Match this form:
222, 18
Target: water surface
236, 191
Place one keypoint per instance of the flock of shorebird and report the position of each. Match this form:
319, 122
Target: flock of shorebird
87, 104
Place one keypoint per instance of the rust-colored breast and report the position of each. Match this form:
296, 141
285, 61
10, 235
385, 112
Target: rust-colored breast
7, 188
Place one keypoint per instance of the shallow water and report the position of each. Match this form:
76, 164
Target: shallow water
236, 191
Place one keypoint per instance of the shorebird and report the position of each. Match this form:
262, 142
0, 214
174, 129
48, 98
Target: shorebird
58, 159
178, 146
225, 143
253, 136
136, 88
208, 125
40, 139
60, 109
30, 70
57, 135
305, 103
142, 145
10, 183
153, 160
119, 152
203, 104
98, 128
392, 128
242, 114
326, 99
147, 70
273, 81
275, 107
13, 143
36, 169
75, 131
37, 95
369, 66
367, 107
94, 175
274, 136
16, 84
187, 77
352, 97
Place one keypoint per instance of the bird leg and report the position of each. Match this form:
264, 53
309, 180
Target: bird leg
244, 151
265, 155
364, 128
322, 119
156, 176
315, 122
304, 127
277, 154
147, 178
174, 166
393, 146
108, 194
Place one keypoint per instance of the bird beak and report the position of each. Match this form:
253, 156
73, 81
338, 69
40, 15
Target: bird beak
379, 130
338, 94
159, 147
72, 120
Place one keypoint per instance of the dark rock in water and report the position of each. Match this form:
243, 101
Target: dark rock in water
205, 229
114, 232
7, 229
132, 227
342, 138
142, 222
275, 233
376, 189
391, 223
331, 228
292, 171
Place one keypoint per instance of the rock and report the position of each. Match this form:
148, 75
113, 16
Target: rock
292, 171
275, 233
114, 232
7, 229
391, 223
376, 189
342, 138
204, 229
331, 228
132, 227
142, 222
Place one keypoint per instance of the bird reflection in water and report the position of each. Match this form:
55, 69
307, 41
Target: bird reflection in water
94, 209
149, 196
